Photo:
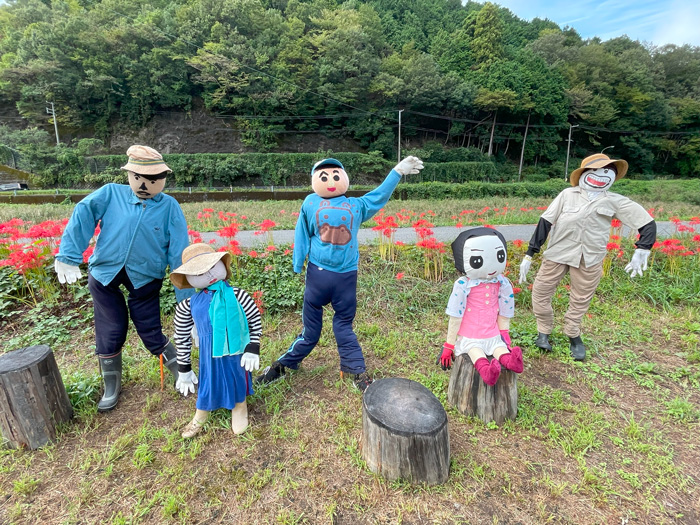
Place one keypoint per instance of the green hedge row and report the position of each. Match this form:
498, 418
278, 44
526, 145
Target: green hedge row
280, 169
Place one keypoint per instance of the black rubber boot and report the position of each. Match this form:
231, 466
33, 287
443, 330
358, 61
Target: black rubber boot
170, 359
270, 374
111, 370
578, 349
542, 342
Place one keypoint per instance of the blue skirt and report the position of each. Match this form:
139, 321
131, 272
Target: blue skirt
223, 382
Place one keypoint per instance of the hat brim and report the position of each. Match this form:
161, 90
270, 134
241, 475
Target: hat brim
199, 265
147, 169
620, 166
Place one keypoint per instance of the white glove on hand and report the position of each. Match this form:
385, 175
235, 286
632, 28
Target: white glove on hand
638, 263
67, 273
409, 166
250, 361
185, 382
524, 268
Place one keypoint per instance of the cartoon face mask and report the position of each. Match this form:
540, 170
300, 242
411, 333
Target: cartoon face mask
329, 181
146, 186
484, 257
214, 274
599, 179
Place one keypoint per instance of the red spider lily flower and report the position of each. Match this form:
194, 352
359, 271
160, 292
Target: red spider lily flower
399, 276
620, 254
616, 223
614, 237
694, 220
207, 210
489, 226
282, 212
399, 243
268, 268
211, 241
229, 231
258, 298
287, 251
253, 254
87, 253
541, 207
696, 238
656, 245
267, 225
686, 254
682, 228
651, 211
675, 220
295, 213
243, 217
271, 248
612, 246
517, 290
232, 247
518, 243
459, 225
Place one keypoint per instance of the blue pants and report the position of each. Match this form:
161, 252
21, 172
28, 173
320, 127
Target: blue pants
112, 317
340, 290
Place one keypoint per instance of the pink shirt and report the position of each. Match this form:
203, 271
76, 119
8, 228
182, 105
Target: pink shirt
479, 303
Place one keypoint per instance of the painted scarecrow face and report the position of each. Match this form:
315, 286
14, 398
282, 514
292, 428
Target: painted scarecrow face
330, 181
599, 179
214, 274
484, 257
146, 186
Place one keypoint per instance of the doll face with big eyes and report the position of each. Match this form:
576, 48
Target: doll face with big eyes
484, 257
330, 181
599, 179
214, 274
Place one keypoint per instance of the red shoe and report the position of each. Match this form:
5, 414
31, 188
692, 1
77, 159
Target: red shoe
489, 371
514, 360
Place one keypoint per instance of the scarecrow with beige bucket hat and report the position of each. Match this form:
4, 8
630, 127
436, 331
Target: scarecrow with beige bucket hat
228, 326
143, 231
579, 219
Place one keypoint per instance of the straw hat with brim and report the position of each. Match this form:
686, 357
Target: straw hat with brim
598, 160
145, 161
196, 260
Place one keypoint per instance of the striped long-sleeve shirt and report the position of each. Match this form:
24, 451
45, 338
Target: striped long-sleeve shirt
184, 324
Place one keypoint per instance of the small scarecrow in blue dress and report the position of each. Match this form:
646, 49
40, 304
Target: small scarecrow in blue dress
228, 325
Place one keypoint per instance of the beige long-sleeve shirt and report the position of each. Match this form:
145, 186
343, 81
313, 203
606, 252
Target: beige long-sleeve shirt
581, 227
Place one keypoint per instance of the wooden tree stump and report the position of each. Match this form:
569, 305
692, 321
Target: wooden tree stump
404, 432
33, 399
472, 397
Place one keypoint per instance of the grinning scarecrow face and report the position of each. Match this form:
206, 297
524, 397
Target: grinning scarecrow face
146, 186
599, 179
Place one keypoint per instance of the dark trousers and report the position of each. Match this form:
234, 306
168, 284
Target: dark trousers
340, 290
112, 316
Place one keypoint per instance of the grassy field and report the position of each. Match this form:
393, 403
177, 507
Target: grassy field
609, 440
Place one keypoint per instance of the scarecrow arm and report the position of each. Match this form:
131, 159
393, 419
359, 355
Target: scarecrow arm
539, 237
647, 236
252, 315
183, 335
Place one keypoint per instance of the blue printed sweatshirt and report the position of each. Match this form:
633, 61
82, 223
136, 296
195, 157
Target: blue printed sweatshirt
143, 236
326, 230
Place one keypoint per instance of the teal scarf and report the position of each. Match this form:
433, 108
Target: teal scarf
230, 333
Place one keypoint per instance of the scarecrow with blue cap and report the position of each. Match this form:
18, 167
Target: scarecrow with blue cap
326, 233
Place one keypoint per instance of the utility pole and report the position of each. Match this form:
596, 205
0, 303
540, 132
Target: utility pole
52, 112
399, 148
568, 149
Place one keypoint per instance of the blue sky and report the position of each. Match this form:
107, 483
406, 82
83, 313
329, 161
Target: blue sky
661, 22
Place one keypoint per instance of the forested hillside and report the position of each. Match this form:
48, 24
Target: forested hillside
467, 75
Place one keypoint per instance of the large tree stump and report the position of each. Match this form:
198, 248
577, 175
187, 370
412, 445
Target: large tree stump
404, 432
33, 399
472, 397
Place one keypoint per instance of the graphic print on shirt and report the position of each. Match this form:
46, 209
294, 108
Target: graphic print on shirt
334, 223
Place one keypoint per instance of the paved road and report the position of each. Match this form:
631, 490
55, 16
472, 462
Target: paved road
407, 235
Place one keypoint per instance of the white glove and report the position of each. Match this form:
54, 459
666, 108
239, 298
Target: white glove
409, 166
524, 268
67, 273
250, 361
638, 263
185, 382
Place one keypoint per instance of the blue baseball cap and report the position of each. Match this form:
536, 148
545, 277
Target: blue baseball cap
327, 162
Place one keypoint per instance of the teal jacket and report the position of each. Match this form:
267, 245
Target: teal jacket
326, 230
145, 236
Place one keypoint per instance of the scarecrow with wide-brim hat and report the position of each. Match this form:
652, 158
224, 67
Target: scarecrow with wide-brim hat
579, 219
142, 232
228, 327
